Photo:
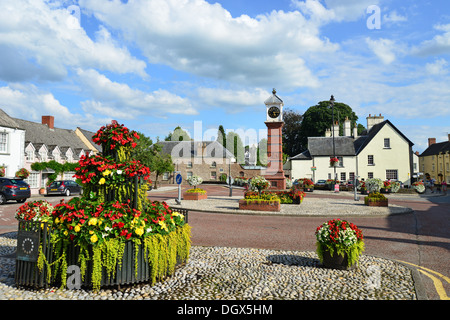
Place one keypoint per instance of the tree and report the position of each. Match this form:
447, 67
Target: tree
161, 163
261, 154
291, 133
178, 134
235, 145
221, 136
144, 151
318, 118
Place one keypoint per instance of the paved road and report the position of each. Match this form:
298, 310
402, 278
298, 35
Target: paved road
421, 239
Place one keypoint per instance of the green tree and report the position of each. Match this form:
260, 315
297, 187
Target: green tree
144, 151
261, 153
161, 163
318, 118
221, 136
291, 133
235, 145
178, 134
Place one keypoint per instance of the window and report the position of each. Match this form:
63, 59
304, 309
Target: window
33, 179
351, 176
189, 174
329, 176
165, 176
370, 175
343, 176
387, 143
213, 175
448, 167
370, 160
30, 155
3, 142
43, 156
213, 165
189, 164
69, 175
341, 161
391, 174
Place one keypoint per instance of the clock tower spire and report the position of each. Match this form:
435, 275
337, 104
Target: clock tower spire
274, 122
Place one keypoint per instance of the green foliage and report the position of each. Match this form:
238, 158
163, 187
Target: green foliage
59, 168
291, 133
318, 118
353, 252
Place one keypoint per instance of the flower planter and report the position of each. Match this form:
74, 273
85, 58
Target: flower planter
194, 196
376, 203
134, 266
336, 261
259, 205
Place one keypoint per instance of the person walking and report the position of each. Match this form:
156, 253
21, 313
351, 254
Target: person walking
432, 181
444, 187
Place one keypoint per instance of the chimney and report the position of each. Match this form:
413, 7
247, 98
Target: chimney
49, 121
328, 133
335, 129
431, 141
355, 132
347, 127
373, 120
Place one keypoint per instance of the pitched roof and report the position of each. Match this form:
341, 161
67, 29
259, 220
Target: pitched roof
436, 148
273, 99
7, 121
323, 146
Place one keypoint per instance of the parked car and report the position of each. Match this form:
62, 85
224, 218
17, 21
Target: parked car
321, 182
66, 187
14, 189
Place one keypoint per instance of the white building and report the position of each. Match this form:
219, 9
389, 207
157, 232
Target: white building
12, 141
382, 151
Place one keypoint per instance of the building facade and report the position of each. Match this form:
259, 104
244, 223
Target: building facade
28, 142
382, 151
435, 160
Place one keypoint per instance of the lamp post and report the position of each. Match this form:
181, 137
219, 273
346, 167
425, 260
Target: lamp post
230, 179
332, 131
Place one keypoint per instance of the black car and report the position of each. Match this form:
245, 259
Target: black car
66, 187
13, 189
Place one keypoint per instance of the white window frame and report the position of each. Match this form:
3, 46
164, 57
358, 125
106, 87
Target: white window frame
4, 139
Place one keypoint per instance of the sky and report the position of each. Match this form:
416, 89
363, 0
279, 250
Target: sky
154, 65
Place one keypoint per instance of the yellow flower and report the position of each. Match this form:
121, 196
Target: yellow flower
77, 228
91, 231
92, 221
163, 225
66, 232
102, 181
139, 231
57, 220
106, 172
94, 238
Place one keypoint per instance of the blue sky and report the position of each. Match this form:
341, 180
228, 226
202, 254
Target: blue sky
157, 64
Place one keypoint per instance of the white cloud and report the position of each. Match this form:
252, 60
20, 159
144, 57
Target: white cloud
232, 100
204, 39
383, 49
393, 17
438, 67
119, 100
440, 44
38, 41
349, 10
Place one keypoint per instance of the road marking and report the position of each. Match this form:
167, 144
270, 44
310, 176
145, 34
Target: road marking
437, 283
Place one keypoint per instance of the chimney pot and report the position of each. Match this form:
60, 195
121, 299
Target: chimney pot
431, 141
49, 121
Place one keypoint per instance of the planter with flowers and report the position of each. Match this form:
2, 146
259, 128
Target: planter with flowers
419, 187
258, 200
114, 234
23, 173
339, 244
306, 184
195, 193
2, 171
386, 188
375, 198
334, 162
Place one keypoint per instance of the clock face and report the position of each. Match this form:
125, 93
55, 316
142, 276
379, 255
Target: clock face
274, 112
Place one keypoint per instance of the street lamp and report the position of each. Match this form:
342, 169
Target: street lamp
332, 130
230, 181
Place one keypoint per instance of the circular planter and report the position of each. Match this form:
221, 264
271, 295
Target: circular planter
336, 261
259, 206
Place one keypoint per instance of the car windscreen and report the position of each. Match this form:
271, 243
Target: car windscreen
55, 184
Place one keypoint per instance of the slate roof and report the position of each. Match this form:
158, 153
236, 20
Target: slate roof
436, 148
344, 146
7, 121
186, 149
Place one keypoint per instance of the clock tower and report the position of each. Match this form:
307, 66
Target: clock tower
274, 122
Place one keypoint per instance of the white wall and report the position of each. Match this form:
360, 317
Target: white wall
13, 157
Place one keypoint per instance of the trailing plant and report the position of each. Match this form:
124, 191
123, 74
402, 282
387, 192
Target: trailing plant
22, 173
340, 237
395, 186
419, 186
374, 185
58, 168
